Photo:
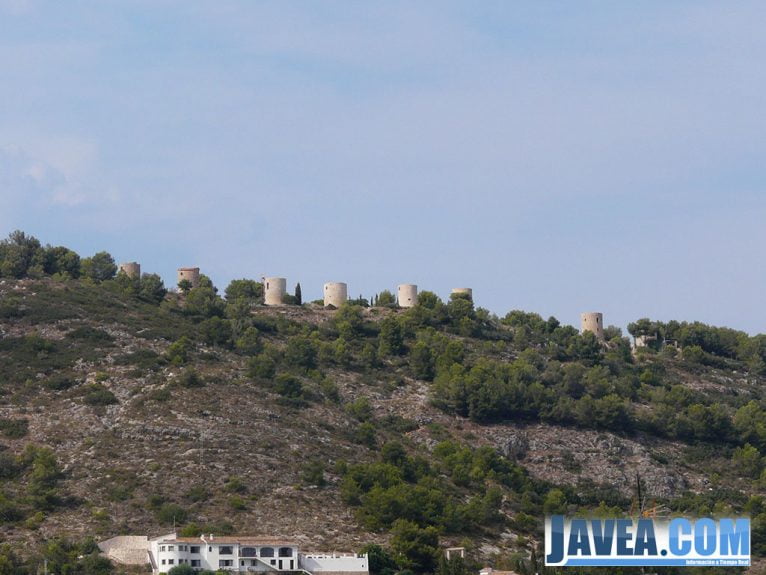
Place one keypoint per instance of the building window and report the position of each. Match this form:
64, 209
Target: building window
225, 563
273, 561
285, 552
170, 547
226, 550
171, 561
195, 563
248, 552
210, 549
194, 549
163, 561
267, 552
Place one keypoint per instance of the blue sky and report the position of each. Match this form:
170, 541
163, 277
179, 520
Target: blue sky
555, 156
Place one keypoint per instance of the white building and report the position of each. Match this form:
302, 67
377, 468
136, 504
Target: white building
238, 554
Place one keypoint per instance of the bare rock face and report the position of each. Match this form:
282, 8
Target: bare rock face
575, 456
515, 445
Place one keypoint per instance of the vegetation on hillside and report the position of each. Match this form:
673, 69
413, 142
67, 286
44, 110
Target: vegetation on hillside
477, 368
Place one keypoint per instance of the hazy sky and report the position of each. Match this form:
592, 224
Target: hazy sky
557, 157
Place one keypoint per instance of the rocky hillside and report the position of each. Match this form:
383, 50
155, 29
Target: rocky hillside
125, 413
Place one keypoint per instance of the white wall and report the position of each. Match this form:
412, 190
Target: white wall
320, 563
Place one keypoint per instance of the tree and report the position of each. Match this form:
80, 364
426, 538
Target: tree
203, 301
298, 294
612, 332
216, 331
95, 564
288, 385
152, 288
555, 502
249, 343
694, 354
454, 566
747, 460
379, 560
184, 285
100, 267
171, 514
585, 347
391, 338
182, 570
644, 326
385, 299
178, 351
62, 261
10, 564
244, 289
300, 352
415, 548
348, 321
262, 366
313, 473
422, 361
428, 299
129, 285
17, 254
750, 423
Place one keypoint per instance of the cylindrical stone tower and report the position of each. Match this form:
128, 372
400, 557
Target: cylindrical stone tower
593, 322
335, 294
463, 291
407, 295
274, 290
189, 274
131, 269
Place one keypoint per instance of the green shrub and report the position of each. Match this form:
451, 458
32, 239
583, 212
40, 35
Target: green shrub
288, 385
364, 434
216, 331
171, 513
359, 409
179, 351
190, 379
237, 503
59, 382
10, 468
190, 530
14, 428
300, 352
261, 366
249, 343
162, 394
197, 494
235, 485
90, 334
96, 394
313, 473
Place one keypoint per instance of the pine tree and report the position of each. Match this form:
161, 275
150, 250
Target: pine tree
298, 295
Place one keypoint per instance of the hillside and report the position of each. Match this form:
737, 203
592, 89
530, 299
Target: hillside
120, 413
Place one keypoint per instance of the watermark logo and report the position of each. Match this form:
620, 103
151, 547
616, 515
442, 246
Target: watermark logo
647, 542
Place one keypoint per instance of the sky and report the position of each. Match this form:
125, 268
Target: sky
556, 157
